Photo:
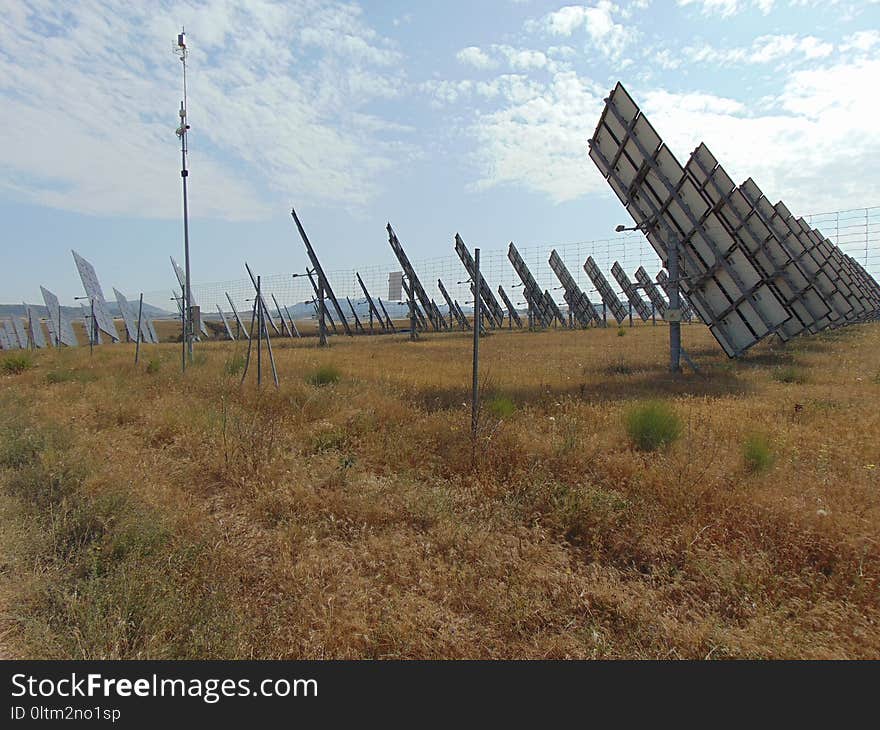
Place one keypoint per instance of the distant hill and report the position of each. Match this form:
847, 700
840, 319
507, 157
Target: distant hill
18, 310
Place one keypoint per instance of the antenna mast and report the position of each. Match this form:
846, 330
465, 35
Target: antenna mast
181, 50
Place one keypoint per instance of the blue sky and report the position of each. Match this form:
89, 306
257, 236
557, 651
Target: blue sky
439, 117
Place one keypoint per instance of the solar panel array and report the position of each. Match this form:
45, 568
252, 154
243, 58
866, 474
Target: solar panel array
512, 315
58, 320
609, 298
687, 313
181, 279
579, 304
532, 293
657, 301
630, 291
93, 290
493, 310
735, 271
35, 327
8, 338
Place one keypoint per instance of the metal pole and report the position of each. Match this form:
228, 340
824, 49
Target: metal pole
412, 314
184, 173
475, 382
137, 347
58, 329
322, 327
259, 336
92, 328
182, 329
674, 305
630, 314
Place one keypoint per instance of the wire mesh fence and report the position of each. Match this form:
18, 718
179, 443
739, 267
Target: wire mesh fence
855, 231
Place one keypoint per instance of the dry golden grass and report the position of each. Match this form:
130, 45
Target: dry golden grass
149, 514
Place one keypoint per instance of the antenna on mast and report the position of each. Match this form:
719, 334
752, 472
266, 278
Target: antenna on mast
181, 51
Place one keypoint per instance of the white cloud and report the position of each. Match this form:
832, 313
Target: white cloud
538, 142
809, 144
277, 97
764, 49
473, 56
727, 8
598, 21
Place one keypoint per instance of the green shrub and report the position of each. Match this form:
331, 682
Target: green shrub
652, 425
789, 375
324, 375
153, 366
18, 363
234, 365
501, 406
758, 453
621, 331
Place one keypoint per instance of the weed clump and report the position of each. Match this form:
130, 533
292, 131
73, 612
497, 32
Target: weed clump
652, 426
621, 331
15, 364
234, 365
758, 453
790, 375
153, 366
501, 406
324, 375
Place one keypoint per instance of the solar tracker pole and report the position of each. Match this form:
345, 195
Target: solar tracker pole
58, 330
259, 336
630, 314
475, 382
674, 303
137, 347
322, 327
412, 313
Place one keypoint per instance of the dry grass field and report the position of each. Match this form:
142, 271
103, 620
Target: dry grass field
146, 514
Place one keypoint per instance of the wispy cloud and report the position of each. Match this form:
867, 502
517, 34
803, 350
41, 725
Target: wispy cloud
278, 100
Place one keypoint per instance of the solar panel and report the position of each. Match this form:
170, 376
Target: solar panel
806, 264
50, 325
35, 328
20, 332
152, 329
291, 322
416, 285
512, 314
551, 305
657, 300
717, 276
316, 265
610, 299
181, 279
241, 328
93, 333
374, 311
858, 298
127, 316
869, 283
758, 241
62, 325
687, 313
579, 304
630, 291
226, 324
840, 299
454, 309
8, 340
93, 291
532, 293
493, 309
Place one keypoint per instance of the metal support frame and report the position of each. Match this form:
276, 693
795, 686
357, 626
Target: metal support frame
316, 265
